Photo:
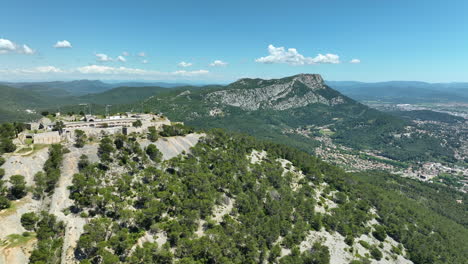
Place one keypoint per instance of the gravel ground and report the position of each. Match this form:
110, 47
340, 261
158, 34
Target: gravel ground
10, 218
173, 146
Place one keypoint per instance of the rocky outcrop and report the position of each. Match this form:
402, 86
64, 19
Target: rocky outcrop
281, 94
173, 146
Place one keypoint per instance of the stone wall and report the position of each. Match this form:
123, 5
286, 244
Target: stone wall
52, 137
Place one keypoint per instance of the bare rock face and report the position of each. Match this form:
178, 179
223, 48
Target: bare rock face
280, 94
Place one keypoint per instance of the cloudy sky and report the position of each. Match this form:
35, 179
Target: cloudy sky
221, 41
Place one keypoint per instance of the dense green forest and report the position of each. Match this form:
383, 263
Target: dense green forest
131, 193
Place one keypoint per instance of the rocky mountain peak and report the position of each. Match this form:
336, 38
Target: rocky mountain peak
277, 94
309, 79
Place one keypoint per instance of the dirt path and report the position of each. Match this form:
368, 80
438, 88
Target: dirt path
60, 200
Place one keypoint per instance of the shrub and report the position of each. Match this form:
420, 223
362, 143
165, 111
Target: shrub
379, 233
80, 138
153, 152
364, 244
29, 220
18, 186
375, 253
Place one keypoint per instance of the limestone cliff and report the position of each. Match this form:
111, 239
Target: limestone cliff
278, 94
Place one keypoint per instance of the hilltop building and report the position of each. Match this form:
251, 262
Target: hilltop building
41, 132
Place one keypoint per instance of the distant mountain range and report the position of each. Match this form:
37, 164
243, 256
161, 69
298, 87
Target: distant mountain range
403, 91
80, 87
16, 99
391, 92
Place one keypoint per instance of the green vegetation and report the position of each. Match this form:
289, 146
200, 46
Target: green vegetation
106, 148
122, 95
449, 179
387, 161
379, 233
137, 123
46, 181
15, 240
9, 131
376, 253
428, 115
18, 187
14, 101
80, 138
173, 197
59, 126
50, 234
152, 134
153, 153
175, 130
4, 202
29, 220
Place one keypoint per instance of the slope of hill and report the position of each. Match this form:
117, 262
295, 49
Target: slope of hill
229, 199
294, 109
77, 87
14, 102
122, 95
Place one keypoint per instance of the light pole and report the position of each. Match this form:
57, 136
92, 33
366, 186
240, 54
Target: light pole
107, 110
84, 108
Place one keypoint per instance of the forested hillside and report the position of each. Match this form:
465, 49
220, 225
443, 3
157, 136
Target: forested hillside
234, 199
291, 110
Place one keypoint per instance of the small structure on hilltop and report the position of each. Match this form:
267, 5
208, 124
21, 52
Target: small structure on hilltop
42, 131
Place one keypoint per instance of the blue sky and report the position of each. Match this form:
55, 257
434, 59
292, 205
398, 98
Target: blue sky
391, 40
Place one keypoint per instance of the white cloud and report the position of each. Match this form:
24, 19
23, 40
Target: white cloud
355, 61
142, 54
47, 69
218, 63
103, 57
27, 50
189, 73
125, 54
36, 70
184, 64
103, 72
292, 57
121, 59
108, 70
7, 46
327, 58
144, 61
100, 69
63, 44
